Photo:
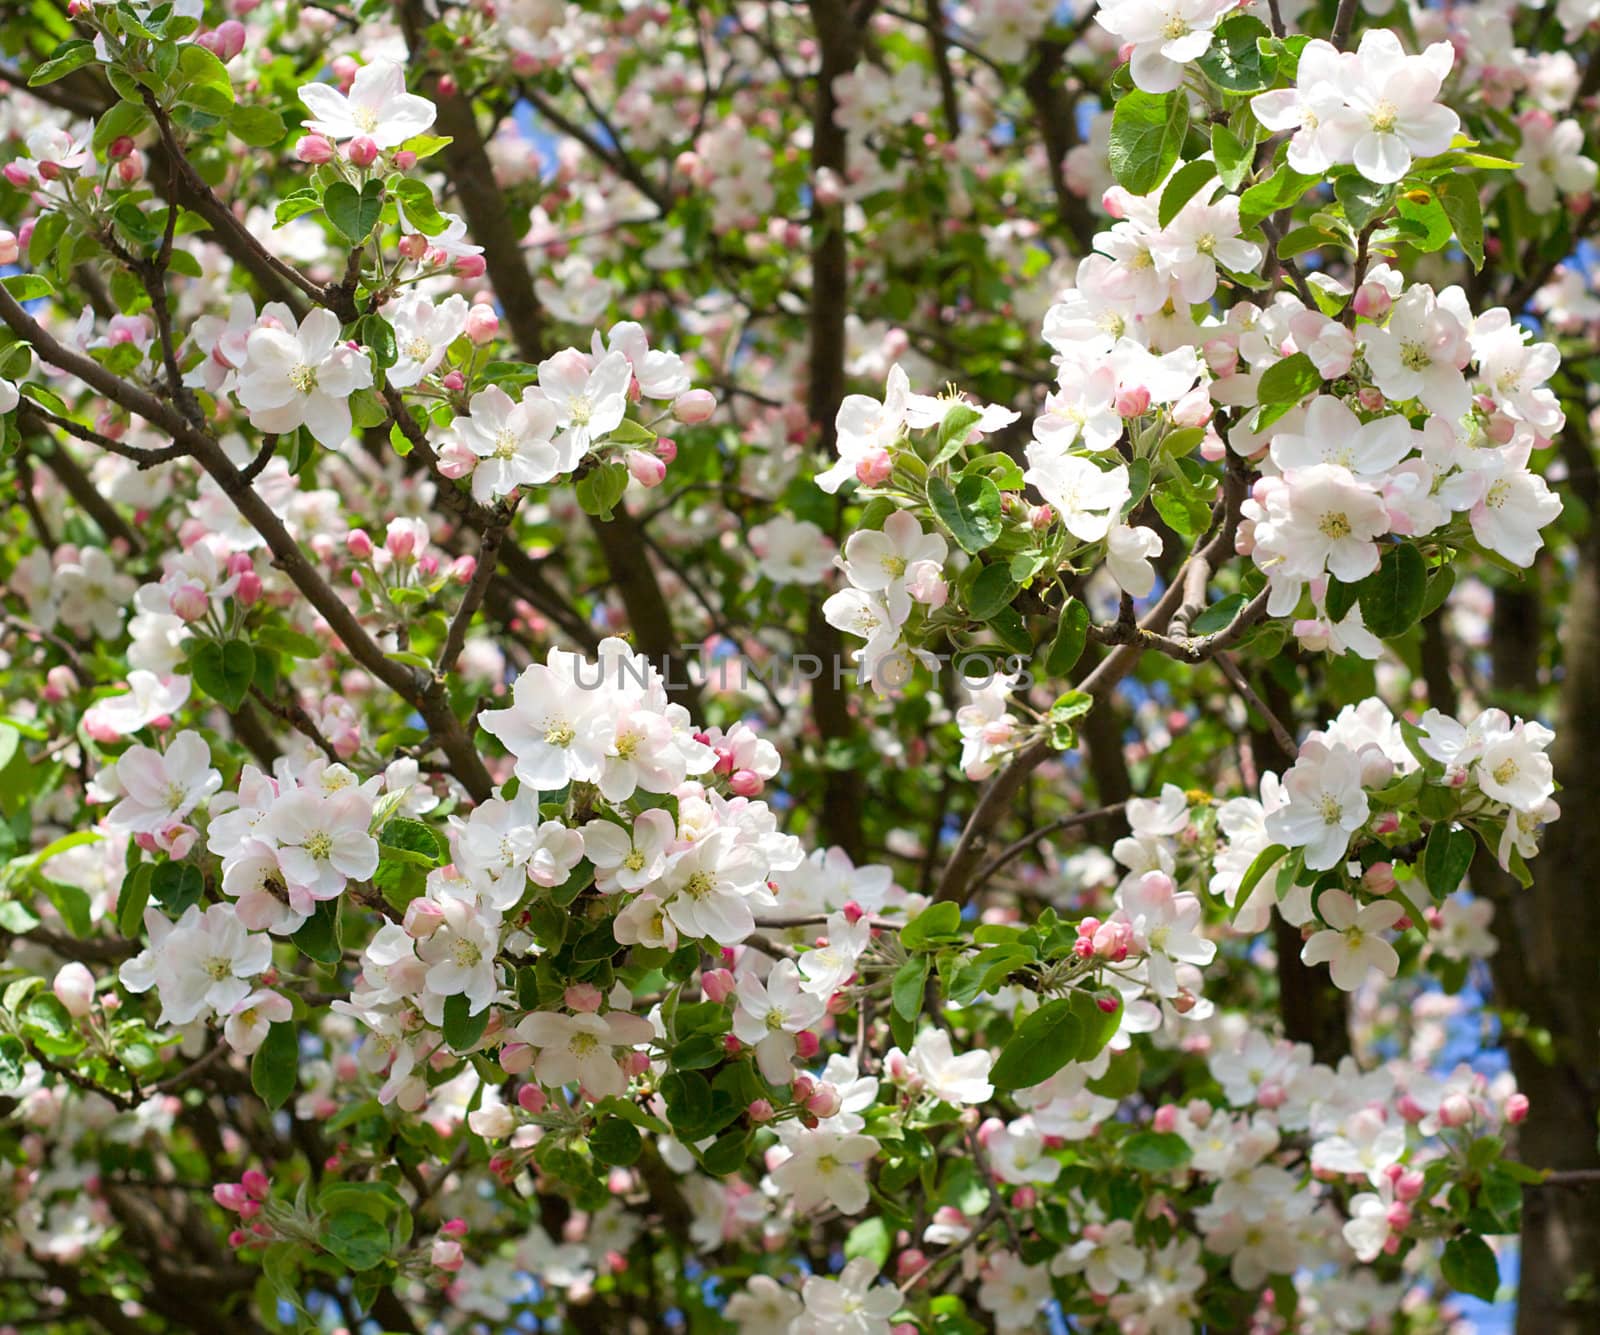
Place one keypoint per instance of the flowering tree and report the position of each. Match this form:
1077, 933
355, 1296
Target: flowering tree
550, 773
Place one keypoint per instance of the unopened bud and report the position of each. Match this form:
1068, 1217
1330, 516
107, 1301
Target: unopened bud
362, 152
314, 149
694, 406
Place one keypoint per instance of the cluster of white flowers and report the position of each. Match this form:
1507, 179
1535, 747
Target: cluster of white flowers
888, 571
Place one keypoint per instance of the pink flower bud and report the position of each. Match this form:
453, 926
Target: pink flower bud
1024, 1198
230, 35
1409, 1109
1370, 398
59, 684
454, 381
463, 568
404, 160
456, 460
454, 1228
646, 469
1193, 409
1387, 823
230, 1196
74, 989
423, 918
359, 544
362, 152
314, 149
717, 985
530, 1098
745, 783
257, 1183
470, 266
446, 1254
189, 602
760, 1110
1165, 1119
874, 468
825, 1102
694, 406
1372, 301
413, 246
482, 324
1133, 402
666, 449
908, 1263
1516, 1108
400, 540
1455, 1110
1378, 879
1109, 1005
1408, 1186
806, 1045
804, 1087
583, 997
9, 249
121, 146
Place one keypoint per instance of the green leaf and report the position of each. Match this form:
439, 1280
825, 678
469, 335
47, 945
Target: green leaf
937, 922
42, 246
416, 199
971, 512
1071, 637
296, 205
1045, 1041
176, 886
1218, 616
616, 1142
910, 980
462, 1029
1289, 380
67, 57
1281, 190
1147, 131
1156, 1151
318, 937
1265, 861
132, 899
1064, 714
991, 590
124, 119
27, 286
1446, 858
260, 127
1392, 595
601, 488
1185, 184
378, 334
1458, 197
357, 1239
1361, 199
1234, 61
1423, 223
13, 1057
203, 81
958, 421
354, 213
1232, 158
869, 1238
1469, 1266
275, 1067
223, 671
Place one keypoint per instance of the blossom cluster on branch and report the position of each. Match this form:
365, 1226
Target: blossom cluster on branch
427, 900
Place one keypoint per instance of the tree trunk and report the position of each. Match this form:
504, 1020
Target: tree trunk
1548, 970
